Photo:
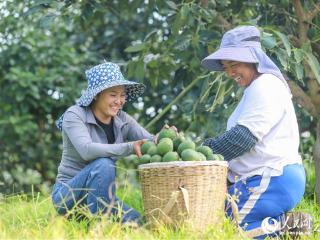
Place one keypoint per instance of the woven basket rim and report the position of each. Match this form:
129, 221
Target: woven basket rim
182, 164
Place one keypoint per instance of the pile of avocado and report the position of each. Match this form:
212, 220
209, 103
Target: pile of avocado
172, 146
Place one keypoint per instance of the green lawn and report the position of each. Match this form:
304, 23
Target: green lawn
33, 217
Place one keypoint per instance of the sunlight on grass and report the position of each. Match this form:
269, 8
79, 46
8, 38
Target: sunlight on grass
33, 217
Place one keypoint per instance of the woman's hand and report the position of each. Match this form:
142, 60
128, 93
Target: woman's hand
137, 147
166, 126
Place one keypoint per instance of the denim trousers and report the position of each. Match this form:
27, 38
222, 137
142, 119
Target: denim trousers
94, 187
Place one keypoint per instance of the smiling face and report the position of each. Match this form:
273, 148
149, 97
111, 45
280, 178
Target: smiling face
242, 73
108, 103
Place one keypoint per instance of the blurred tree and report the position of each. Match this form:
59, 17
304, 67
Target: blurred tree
39, 75
159, 43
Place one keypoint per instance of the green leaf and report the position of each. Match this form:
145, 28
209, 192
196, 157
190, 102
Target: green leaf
154, 78
130, 69
135, 48
284, 40
172, 5
139, 71
183, 44
221, 93
298, 55
176, 24
4, 121
150, 34
283, 59
219, 96
32, 10
314, 65
268, 41
298, 68
205, 93
184, 12
153, 63
43, 2
194, 63
46, 21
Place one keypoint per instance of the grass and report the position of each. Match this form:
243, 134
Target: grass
32, 216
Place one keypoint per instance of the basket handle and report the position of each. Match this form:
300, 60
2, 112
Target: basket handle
173, 199
185, 196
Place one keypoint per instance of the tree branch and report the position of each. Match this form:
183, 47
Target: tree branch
314, 12
225, 24
316, 157
299, 10
302, 21
204, 3
316, 47
168, 107
301, 98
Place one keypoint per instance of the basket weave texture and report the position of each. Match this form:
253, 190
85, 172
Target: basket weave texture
184, 192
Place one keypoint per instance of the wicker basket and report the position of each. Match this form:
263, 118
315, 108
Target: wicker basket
191, 193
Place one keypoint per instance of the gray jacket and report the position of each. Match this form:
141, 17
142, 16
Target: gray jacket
84, 140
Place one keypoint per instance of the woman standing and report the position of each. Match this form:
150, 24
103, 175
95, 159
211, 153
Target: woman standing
262, 137
96, 131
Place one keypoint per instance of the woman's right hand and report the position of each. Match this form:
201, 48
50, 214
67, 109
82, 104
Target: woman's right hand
137, 147
165, 126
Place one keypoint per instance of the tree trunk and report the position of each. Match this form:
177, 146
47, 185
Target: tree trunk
316, 157
305, 18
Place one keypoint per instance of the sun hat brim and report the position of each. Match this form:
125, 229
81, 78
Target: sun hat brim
239, 54
133, 91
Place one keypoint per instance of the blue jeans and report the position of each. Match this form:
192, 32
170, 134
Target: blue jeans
93, 186
265, 198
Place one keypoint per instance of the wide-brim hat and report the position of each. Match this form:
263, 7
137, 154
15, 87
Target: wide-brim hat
104, 76
236, 45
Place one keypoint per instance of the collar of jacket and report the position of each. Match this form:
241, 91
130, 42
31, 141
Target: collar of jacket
117, 121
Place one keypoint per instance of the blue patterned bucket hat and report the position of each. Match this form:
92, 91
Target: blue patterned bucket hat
107, 75
101, 77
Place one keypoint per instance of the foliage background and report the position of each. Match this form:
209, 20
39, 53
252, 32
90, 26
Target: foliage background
47, 45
